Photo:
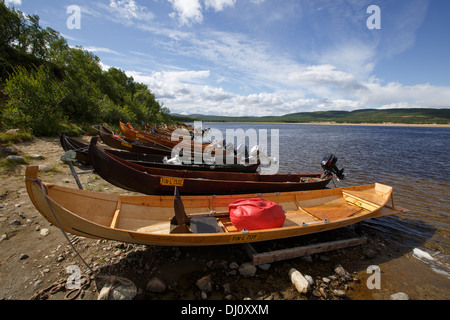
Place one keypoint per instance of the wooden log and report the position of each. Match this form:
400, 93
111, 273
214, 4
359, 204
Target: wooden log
296, 252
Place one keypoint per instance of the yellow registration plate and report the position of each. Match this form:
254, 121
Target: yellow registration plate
169, 181
244, 237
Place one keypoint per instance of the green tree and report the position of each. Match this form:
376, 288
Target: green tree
34, 101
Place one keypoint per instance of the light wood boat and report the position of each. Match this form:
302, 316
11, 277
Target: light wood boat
150, 220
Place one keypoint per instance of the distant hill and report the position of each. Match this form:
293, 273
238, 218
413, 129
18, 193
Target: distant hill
404, 116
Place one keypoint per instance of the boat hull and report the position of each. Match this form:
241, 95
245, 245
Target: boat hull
146, 219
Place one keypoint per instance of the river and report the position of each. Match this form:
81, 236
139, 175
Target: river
414, 160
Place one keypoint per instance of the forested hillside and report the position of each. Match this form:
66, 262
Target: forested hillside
47, 86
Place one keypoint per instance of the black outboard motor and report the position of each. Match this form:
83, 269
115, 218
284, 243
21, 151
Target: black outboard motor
329, 166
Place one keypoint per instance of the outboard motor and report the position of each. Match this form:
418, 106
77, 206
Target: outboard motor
329, 166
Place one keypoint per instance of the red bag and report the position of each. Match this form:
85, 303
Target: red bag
256, 214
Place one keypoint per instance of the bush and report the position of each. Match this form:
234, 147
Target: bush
34, 101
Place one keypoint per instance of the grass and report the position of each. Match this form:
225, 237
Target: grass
10, 139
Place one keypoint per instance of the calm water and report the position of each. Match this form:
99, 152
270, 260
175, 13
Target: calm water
414, 160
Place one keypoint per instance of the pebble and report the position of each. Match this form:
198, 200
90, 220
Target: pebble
44, 168
9, 150
204, 284
15, 222
112, 291
23, 256
399, 296
339, 293
301, 284
36, 157
265, 266
155, 284
44, 232
341, 272
309, 279
247, 270
15, 158
369, 253
226, 288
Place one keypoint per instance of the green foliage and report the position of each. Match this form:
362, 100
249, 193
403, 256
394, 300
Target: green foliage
34, 98
51, 86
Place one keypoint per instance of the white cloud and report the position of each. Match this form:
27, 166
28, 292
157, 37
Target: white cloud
13, 2
219, 5
188, 11
100, 49
126, 11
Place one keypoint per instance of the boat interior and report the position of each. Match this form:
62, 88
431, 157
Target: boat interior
153, 214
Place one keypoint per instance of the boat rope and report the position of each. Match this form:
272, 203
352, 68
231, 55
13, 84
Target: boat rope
44, 190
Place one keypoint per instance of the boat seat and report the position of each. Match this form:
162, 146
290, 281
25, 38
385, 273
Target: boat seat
205, 225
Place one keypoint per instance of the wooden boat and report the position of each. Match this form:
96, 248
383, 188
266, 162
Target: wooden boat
146, 180
204, 220
123, 143
133, 133
149, 160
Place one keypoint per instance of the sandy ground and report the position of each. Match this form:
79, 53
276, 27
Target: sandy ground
33, 259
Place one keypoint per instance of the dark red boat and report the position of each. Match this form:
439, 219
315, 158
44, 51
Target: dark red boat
158, 181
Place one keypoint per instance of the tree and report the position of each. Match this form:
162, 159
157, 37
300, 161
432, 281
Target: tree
34, 100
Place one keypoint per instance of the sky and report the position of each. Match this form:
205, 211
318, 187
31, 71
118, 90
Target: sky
266, 57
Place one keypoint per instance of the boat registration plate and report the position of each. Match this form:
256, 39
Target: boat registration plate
169, 181
243, 237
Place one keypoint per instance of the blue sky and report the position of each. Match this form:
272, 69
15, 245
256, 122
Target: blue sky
267, 57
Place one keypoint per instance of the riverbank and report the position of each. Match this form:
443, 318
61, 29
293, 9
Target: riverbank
35, 256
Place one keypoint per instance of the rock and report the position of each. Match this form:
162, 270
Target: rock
324, 258
44, 168
226, 288
299, 281
341, 272
16, 159
15, 222
316, 293
399, 296
247, 270
204, 284
156, 285
44, 232
369, 253
9, 150
309, 279
339, 293
36, 156
23, 256
265, 266
117, 288
233, 266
